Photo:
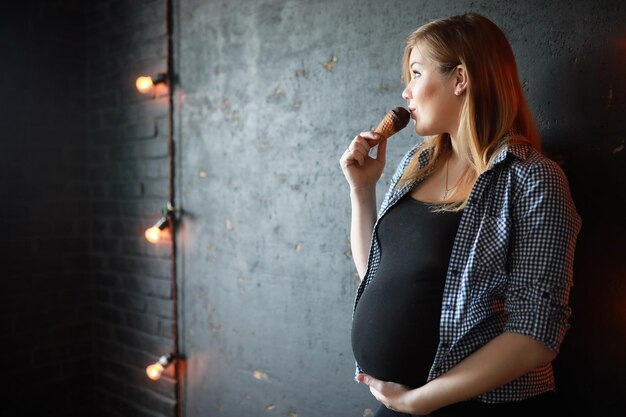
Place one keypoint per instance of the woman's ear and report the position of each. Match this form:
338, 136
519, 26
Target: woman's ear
460, 75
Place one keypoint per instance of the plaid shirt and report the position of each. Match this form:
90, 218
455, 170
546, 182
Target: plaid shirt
511, 264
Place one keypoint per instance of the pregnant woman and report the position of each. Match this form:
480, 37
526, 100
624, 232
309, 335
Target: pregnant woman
467, 266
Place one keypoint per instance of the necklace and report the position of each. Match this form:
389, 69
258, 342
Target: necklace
447, 190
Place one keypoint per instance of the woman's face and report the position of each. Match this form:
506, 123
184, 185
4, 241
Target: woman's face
431, 98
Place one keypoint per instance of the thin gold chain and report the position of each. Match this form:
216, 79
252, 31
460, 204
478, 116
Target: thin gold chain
446, 190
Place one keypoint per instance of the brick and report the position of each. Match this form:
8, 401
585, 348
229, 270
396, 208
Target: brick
145, 323
166, 328
113, 383
140, 246
108, 172
98, 262
105, 99
127, 408
127, 228
101, 137
141, 208
160, 307
99, 226
108, 245
110, 315
103, 331
60, 245
107, 354
157, 168
148, 286
128, 190
134, 265
79, 366
105, 208
103, 282
147, 343
99, 155
45, 354
77, 331
141, 129
76, 262
152, 148
156, 189
130, 302
117, 116
150, 400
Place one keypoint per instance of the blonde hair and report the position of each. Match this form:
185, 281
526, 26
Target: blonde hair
494, 106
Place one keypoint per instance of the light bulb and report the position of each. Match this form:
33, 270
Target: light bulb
144, 84
153, 234
154, 371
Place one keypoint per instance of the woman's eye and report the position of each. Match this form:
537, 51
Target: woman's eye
415, 74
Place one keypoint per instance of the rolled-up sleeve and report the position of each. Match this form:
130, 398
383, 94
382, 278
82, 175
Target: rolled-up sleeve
540, 262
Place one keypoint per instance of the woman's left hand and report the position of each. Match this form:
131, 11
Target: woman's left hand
392, 395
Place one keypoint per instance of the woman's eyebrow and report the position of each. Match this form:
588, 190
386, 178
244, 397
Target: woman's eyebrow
415, 62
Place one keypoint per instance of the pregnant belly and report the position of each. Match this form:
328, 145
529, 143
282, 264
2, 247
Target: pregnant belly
395, 330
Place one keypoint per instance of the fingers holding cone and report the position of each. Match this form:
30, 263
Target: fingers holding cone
360, 147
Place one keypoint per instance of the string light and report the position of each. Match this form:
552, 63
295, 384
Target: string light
153, 234
155, 370
162, 226
145, 83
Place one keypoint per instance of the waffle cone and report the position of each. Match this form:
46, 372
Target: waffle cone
386, 126
394, 121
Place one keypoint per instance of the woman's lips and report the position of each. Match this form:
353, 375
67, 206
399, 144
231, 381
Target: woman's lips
412, 111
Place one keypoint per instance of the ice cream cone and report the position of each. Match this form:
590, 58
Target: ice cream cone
394, 121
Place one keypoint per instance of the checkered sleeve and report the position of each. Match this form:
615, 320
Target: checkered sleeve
540, 268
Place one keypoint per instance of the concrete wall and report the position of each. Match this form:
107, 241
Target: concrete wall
270, 93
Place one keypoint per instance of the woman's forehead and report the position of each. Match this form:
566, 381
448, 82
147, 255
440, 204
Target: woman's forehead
416, 56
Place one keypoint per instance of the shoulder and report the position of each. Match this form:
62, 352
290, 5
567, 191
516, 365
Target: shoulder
540, 185
529, 168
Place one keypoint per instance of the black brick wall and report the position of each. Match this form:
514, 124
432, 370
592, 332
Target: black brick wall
83, 172
128, 175
46, 308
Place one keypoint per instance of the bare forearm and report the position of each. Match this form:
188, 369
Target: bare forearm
502, 360
363, 219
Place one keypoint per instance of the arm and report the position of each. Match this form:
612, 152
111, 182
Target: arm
362, 173
362, 225
503, 359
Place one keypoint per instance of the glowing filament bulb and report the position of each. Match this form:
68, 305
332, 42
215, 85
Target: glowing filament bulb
144, 84
153, 234
154, 371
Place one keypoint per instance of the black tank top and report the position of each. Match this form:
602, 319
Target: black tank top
395, 331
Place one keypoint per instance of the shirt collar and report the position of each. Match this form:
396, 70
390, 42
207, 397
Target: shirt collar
519, 150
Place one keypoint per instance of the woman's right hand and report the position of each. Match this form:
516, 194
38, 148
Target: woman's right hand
360, 169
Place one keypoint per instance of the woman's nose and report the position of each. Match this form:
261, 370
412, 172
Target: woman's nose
405, 93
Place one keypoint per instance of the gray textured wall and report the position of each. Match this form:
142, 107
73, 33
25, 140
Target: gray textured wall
270, 93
